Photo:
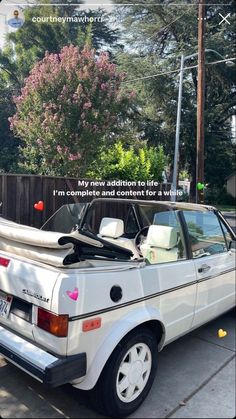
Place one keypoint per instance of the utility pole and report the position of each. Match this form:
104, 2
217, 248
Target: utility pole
200, 102
177, 134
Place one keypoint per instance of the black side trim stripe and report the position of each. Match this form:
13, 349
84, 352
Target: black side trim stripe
214, 276
129, 303
147, 297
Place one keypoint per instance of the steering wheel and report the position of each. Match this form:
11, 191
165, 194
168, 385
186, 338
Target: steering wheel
140, 238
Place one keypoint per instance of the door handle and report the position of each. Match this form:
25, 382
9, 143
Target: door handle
204, 268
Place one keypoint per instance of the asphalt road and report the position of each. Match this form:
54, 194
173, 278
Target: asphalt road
195, 379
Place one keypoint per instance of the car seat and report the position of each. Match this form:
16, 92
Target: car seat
161, 244
112, 230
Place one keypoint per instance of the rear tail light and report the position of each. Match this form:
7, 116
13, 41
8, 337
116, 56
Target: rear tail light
4, 262
53, 323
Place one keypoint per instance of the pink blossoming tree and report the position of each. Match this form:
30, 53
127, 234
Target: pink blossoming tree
69, 102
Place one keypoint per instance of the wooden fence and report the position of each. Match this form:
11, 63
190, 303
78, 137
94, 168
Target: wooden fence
19, 193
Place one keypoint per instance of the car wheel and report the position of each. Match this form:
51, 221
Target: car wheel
128, 375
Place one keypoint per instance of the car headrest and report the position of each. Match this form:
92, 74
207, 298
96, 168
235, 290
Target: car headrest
162, 236
111, 227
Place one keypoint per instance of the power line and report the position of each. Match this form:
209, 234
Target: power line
175, 71
156, 33
169, 24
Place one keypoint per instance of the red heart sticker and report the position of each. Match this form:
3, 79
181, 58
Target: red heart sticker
39, 206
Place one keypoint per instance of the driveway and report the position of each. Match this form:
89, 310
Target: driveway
196, 379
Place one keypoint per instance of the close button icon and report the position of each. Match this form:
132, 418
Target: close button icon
224, 18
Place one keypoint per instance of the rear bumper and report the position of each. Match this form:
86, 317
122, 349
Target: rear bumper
47, 368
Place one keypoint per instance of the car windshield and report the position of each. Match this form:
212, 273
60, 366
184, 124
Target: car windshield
135, 215
117, 224
111, 209
66, 218
148, 212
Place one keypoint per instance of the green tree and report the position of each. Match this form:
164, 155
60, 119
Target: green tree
130, 163
8, 143
159, 34
27, 46
68, 103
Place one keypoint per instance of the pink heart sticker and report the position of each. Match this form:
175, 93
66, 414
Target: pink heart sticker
73, 294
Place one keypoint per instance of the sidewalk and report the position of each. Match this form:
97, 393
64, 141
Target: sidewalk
195, 379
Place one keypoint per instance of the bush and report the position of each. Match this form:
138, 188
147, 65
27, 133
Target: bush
141, 163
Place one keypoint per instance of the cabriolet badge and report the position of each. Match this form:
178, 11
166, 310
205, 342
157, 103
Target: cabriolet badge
35, 295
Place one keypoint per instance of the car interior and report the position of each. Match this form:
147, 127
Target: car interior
159, 246
112, 230
148, 231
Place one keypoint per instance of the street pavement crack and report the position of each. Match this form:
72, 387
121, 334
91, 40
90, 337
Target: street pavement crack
214, 343
186, 399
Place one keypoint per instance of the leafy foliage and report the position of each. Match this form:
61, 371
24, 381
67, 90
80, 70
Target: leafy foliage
34, 38
9, 144
159, 34
142, 163
69, 101
153, 38
27, 46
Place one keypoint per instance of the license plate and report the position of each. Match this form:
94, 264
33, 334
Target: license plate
5, 304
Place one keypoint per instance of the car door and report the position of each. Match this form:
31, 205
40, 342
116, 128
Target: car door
214, 264
170, 273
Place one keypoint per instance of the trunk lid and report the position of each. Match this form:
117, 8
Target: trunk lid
31, 285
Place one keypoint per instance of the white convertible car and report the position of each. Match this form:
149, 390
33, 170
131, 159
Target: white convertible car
93, 296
